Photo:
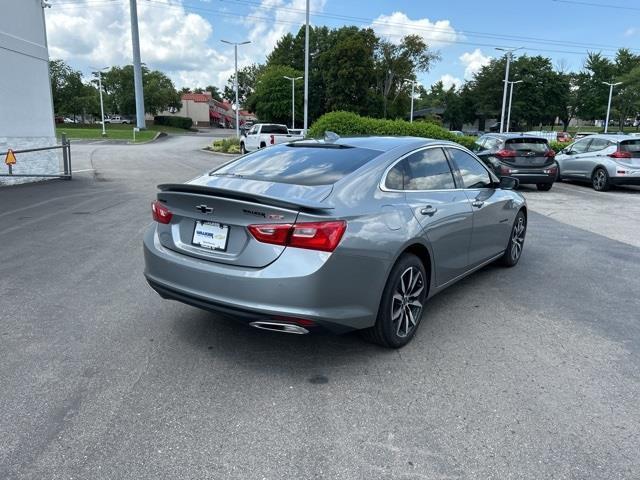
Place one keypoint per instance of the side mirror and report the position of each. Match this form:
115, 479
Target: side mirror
509, 183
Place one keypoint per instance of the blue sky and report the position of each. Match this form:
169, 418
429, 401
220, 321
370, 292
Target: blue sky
182, 37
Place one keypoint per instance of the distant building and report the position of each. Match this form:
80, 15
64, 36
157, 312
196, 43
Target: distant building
206, 111
26, 107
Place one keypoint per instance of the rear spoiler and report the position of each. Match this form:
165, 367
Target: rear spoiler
306, 205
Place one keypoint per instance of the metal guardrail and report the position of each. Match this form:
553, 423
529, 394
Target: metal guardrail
66, 174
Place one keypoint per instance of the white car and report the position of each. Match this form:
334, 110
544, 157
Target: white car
263, 135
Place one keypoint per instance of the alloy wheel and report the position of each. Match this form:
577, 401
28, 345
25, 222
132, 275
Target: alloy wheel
599, 179
406, 307
517, 238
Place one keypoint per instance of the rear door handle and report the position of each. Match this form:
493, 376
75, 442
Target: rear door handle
477, 203
428, 210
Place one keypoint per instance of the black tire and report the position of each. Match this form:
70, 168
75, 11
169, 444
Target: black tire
544, 187
515, 246
242, 149
263, 145
396, 330
600, 180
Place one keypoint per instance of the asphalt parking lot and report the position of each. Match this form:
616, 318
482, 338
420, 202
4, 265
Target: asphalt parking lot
531, 372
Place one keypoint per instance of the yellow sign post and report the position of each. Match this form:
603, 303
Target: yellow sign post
10, 160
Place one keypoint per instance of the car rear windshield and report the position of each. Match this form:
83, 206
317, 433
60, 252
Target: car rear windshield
274, 129
631, 146
300, 165
524, 145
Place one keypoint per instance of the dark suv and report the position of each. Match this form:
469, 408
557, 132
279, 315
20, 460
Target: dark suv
525, 157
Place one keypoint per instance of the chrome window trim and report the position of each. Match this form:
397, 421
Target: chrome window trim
383, 181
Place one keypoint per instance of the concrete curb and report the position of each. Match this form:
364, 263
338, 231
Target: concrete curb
221, 153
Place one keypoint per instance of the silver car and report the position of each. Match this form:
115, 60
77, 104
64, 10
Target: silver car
602, 160
355, 233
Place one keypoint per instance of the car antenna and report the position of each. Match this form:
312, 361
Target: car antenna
331, 137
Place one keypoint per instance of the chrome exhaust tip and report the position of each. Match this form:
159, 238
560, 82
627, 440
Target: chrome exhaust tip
280, 327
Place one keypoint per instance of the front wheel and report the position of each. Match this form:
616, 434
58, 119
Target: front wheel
600, 180
401, 304
516, 241
544, 187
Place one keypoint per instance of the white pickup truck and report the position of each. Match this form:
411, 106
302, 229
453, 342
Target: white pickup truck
262, 135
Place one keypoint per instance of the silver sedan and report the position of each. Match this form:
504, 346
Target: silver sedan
602, 160
352, 233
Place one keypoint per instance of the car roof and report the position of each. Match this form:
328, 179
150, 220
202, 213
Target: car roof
614, 137
510, 135
382, 143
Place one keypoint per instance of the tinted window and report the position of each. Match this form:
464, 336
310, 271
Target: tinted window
525, 145
428, 170
395, 177
274, 129
301, 165
474, 175
491, 143
580, 146
631, 146
598, 144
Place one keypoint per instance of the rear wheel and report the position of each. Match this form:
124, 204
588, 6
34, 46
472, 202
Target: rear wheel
516, 241
600, 180
544, 187
401, 304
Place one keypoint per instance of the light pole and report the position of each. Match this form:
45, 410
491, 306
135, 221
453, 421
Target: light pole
235, 51
137, 66
506, 82
293, 99
306, 72
510, 99
611, 85
98, 71
413, 86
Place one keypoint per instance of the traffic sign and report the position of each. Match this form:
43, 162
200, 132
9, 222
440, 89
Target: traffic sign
10, 159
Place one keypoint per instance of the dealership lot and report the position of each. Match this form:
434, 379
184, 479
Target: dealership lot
530, 372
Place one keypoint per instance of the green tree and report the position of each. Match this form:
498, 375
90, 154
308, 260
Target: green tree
214, 91
246, 86
159, 91
271, 99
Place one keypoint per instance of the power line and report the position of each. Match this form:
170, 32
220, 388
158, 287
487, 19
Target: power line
599, 5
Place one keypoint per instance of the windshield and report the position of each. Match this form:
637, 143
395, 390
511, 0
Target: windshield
308, 165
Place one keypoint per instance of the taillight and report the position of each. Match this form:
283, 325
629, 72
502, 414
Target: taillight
620, 154
550, 153
161, 214
504, 170
272, 139
504, 153
323, 236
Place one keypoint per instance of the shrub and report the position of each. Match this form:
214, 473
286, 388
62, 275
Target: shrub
557, 146
170, 121
346, 124
226, 145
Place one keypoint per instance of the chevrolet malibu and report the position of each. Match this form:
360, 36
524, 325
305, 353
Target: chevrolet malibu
339, 235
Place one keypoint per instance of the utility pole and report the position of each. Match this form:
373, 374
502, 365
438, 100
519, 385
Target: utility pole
413, 86
98, 72
306, 72
611, 85
293, 99
235, 51
510, 99
509, 54
137, 66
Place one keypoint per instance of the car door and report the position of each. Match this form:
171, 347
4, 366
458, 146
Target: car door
570, 160
251, 141
585, 163
491, 207
442, 209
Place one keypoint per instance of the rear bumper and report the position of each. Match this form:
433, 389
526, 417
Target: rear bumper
337, 292
528, 175
626, 180
529, 178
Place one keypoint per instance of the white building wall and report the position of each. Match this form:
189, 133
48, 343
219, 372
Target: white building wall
26, 109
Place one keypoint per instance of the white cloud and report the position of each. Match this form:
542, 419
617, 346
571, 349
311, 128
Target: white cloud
449, 81
630, 32
473, 62
398, 25
172, 39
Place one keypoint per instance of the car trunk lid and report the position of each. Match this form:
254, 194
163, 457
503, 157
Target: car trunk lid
210, 216
526, 152
631, 151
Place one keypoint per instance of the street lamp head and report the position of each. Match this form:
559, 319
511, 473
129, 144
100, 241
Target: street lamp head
235, 43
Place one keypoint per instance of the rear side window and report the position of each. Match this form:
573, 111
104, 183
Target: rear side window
491, 143
274, 129
300, 165
598, 144
424, 170
580, 146
474, 175
527, 145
